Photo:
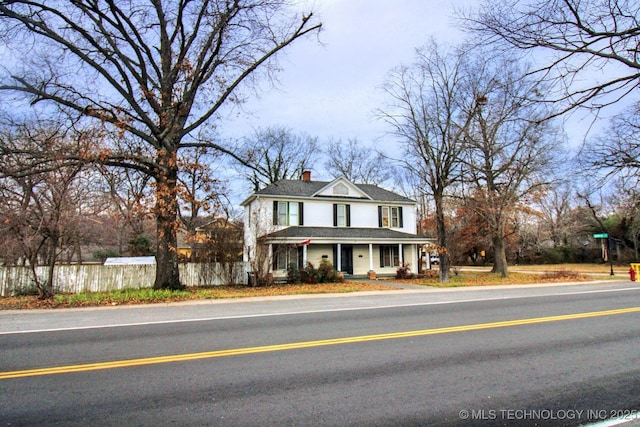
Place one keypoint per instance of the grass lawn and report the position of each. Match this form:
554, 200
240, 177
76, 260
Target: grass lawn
466, 277
603, 269
527, 274
486, 278
150, 296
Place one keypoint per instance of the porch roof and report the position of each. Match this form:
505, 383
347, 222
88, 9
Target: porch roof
344, 235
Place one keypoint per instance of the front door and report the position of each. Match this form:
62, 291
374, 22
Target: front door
346, 259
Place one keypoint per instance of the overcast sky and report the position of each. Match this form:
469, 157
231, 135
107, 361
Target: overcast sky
330, 90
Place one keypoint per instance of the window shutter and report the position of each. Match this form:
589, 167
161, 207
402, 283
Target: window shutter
348, 213
381, 248
335, 215
275, 212
380, 216
300, 215
300, 258
400, 217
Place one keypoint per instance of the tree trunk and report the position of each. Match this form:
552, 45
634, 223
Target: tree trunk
442, 239
45, 290
500, 256
166, 210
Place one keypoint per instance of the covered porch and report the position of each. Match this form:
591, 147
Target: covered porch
357, 252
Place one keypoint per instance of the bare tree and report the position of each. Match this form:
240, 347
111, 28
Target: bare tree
624, 219
574, 38
42, 206
616, 152
509, 152
276, 153
357, 162
630, 210
130, 201
154, 70
199, 191
219, 244
430, 111
554, 209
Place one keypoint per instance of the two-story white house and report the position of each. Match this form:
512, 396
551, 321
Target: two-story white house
362, 229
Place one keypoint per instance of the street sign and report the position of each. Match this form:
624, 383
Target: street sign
600, 236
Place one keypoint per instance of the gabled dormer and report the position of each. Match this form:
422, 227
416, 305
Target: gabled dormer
342, 187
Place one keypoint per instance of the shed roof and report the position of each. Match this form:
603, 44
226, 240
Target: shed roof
131, 260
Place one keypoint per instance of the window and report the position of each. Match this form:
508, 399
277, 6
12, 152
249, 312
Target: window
385, 216
287, 213
293, 214
284, 256
390, 216
341, 215
283, 213
389, 256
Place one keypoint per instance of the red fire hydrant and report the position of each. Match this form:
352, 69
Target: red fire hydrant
632, 274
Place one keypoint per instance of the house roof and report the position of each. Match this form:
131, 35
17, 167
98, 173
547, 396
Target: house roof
350, 234
309, 189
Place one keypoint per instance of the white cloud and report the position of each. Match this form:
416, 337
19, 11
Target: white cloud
331, 90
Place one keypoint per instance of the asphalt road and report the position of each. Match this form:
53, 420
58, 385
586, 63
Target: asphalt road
549, 355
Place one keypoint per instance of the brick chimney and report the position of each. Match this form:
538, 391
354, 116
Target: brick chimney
306, 176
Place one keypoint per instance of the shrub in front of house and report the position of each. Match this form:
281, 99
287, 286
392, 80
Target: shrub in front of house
293, 274
328, 274
325, 273
309, 274
404, 272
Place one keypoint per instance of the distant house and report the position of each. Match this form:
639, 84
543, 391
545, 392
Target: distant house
213, 240
362, 229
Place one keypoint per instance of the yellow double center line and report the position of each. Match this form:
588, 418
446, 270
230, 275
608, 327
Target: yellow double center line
305, 344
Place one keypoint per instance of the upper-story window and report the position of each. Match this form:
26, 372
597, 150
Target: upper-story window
390, 216
341, 215
287, 213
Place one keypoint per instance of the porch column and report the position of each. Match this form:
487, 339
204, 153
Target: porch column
270, 258
304, 255
339, 257
400, 257
370, 256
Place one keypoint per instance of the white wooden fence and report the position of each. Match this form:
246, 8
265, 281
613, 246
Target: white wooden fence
101, 278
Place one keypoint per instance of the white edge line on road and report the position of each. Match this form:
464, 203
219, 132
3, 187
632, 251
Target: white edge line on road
614, 422
289, 313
